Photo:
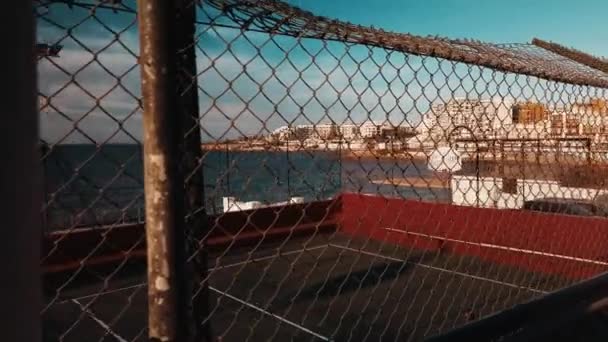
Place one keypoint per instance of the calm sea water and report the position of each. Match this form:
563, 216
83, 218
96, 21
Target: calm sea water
87, 185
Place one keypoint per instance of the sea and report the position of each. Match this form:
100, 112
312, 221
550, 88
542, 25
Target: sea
88, 185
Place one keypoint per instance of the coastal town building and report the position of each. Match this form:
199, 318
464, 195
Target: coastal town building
529, 113
331, 131
323, 131
369, 129
504, 119
461, 119
483, 118
350, 132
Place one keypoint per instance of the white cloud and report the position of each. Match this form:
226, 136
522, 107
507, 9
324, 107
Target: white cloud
90, 91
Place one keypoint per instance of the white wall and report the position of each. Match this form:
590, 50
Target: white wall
464, 192
231, 204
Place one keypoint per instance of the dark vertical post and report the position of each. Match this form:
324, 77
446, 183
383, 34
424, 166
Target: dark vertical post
502, 158
288, 172
340, 166
196, 216
227, 168
20, 179
393, 168
163, 183
44, 150
588, 151
477, 170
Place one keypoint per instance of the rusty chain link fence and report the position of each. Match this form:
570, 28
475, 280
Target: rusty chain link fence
339, 182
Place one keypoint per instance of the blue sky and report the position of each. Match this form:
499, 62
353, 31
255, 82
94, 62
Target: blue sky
295, 92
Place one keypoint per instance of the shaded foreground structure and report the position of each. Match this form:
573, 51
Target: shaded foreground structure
335, 277
137, 244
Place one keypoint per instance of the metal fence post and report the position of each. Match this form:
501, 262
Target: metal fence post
163, 183
20, 181
196, 219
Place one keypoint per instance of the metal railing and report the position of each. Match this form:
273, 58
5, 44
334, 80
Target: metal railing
306, 178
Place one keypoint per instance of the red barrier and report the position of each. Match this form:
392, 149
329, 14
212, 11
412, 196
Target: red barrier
570, 246
71, 249
575, 247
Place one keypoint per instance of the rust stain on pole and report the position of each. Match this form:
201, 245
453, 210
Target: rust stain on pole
163, 182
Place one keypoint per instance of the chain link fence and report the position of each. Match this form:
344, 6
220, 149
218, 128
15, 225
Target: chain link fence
340, 182
90, 118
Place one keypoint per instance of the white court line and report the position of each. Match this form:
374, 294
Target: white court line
267, 257
506, 248
120, 289
257, 308
441, 269
211, 269
100, 322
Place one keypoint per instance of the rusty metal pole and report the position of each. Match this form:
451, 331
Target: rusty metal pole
196, 216
20, 179
589, 158
502, 158
163, 183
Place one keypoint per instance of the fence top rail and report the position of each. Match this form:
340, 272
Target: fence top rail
548, 61
576, 55
114, 5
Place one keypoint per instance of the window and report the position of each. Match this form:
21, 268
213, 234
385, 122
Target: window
509, 185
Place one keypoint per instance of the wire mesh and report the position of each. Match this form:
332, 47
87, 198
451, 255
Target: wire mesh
90, 149
491, 121
342, 182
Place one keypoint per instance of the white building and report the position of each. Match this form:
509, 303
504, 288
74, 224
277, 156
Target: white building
323, 131
330, 131
369, 129
302, 132
350, 131
281, 133
485, 118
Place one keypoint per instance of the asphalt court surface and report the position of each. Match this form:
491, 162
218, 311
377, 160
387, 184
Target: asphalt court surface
327, 287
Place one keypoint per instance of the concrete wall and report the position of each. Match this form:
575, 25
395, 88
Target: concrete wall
490, 192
